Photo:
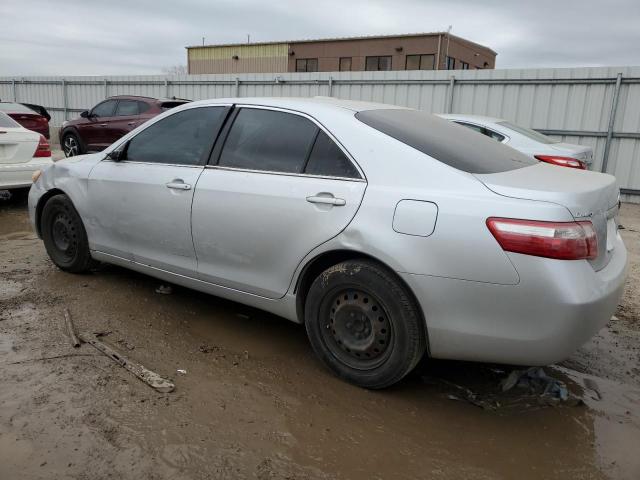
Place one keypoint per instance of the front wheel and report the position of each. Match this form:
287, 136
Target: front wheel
65, 238
71, 145
363, 324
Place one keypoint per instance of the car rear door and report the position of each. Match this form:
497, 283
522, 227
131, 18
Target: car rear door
277, 186
140, 206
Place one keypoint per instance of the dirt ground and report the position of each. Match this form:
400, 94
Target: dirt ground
255, 403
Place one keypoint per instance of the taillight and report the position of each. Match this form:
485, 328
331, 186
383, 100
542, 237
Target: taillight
43, 150
561, 240
562, 161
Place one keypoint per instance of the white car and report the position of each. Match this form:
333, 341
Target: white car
22, 152
528, 141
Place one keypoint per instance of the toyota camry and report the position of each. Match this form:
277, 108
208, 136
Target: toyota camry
389, 233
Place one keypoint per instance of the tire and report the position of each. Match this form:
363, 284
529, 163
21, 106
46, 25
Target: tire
65, 238
364, 324
71, 145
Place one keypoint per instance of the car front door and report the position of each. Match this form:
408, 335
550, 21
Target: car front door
140, 206
277, 187
92, 130
124, 120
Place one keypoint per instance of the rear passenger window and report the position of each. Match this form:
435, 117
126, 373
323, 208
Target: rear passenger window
184, 138
143, 107
328, 160
268, 140
127, 108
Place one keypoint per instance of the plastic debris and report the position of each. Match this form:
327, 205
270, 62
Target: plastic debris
165, 289
535, 381
182, 371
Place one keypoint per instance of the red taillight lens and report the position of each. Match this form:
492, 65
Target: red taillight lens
561, 240
562, 161
43, 150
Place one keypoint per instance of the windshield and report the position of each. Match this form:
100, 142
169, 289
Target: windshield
527, 132
15, 108
451, 144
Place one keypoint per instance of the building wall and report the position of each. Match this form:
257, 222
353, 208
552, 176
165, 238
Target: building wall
466, 52
329, 52
270, 58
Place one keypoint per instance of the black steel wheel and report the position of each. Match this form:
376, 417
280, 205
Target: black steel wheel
364, 324
358, 328
64, 236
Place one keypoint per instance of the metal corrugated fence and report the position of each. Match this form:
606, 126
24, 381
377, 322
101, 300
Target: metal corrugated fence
592, 106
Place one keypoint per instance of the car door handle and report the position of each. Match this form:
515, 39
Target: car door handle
178, 185
338, 202
103, 124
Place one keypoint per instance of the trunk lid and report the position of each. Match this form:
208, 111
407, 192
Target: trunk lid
587, 195
579, 152
17, 145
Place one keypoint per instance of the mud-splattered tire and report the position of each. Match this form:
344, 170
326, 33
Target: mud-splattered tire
65, 238
364, 324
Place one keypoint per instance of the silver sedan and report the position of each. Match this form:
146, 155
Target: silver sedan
388, 232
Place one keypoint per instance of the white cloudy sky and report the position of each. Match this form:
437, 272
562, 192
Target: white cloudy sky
92, 37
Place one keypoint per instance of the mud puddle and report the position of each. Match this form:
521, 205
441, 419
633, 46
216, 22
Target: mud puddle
254, 402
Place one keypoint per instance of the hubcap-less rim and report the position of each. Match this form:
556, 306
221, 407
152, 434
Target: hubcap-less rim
357, 329
70, 147
63, 234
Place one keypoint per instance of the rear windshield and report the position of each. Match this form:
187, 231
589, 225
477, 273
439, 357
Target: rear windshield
527, 132
15, 108
7, 122
445, 141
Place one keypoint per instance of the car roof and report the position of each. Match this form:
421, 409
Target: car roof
305, 104
142, 97
471, 118
14, 107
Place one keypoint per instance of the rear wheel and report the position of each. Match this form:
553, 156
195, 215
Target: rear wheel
71, 145
65, 238
363, 324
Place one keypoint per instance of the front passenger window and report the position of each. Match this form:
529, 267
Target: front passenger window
183, 138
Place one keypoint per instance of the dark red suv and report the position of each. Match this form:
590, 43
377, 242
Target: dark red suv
109, 120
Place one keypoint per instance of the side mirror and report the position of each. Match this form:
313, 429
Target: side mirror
117, 155
85, 114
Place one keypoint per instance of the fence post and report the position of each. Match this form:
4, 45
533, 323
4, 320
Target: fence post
330, 86
452, 83
612, 120
106, 88
65, 105
237, 87
166, 88
15, 90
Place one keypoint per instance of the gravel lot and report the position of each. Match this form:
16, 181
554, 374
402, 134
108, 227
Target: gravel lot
254, 402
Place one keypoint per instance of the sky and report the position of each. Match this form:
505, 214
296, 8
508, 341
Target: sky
117, 37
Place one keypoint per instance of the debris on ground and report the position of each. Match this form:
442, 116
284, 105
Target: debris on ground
208, 348
165, 289
152, 379
70, 330
125, 344
103, 333
182, 371
535, 381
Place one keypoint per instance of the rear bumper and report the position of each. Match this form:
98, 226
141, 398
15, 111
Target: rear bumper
18, 175
556, 307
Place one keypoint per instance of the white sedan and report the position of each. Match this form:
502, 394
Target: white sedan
22, 152
528, 141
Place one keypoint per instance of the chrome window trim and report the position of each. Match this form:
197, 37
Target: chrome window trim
153, 163
317, 124
287, 174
